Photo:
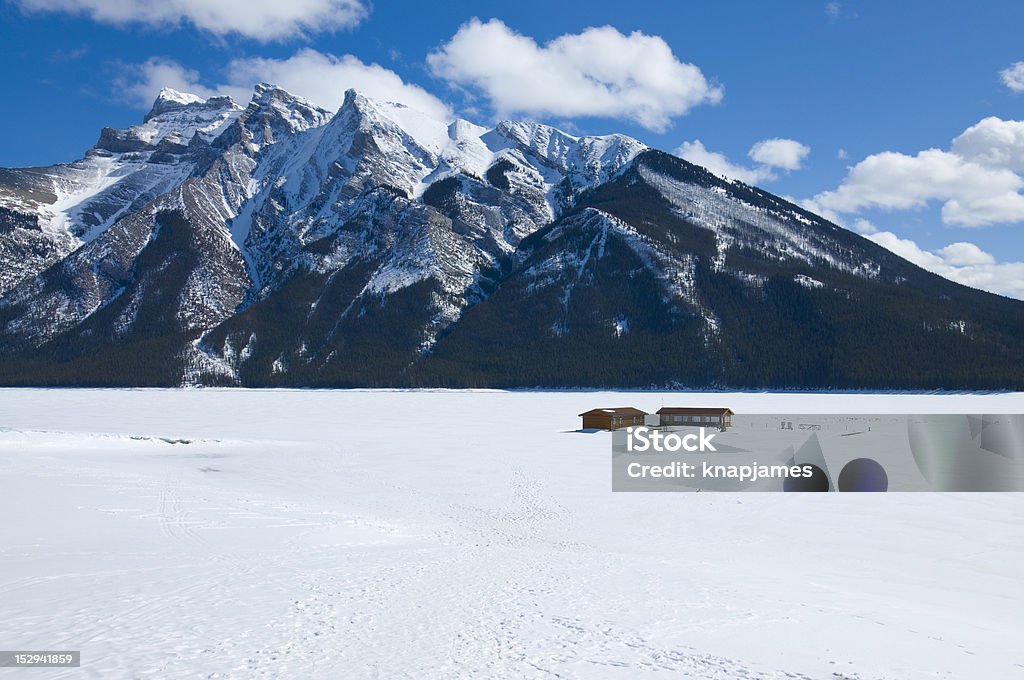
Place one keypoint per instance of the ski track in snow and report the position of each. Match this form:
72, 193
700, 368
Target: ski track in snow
290, 534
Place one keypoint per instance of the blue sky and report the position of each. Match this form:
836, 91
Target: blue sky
859, 91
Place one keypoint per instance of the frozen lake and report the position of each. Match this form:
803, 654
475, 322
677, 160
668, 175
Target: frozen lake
448, 534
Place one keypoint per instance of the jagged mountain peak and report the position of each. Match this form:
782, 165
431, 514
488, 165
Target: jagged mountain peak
175, 115
535, 136
169, 94
428, 132
585, 161
170, 100
550, 142
268, 95
273, 111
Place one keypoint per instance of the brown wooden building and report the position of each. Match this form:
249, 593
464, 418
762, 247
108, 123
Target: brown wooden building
612, 418
696, 417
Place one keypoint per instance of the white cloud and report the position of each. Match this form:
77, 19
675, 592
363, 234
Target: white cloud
964, 254
964, 263
1013, 76
842, 154
770, 154
787, 154
263, 20
982, 212
833, 10
599, 72
320, 78
719, 164
993, 142
863, 226
977, 182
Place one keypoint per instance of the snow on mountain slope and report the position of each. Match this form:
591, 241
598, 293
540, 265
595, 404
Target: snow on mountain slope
315, 197
589, 232
368, 143
73, 204
584, 161
777, 232
143, 171
169, 99
174, 258
126, 167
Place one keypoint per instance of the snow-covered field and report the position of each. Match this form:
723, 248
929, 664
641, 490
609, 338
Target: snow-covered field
369, 534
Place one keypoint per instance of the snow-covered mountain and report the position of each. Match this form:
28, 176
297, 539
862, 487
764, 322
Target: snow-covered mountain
62, 207
282, 244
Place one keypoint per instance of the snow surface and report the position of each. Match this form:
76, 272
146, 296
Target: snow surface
447, 534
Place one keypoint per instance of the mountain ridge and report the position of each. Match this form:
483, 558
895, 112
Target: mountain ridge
282, 244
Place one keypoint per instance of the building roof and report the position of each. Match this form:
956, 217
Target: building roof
619, 411
675, 411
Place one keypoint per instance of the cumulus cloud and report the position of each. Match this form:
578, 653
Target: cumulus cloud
993, 142
599, 72
962, 262
977, 182
263, 20
770, 154
964, 254
718, 163
318, 77
863, 226
787, 154
1013, 76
